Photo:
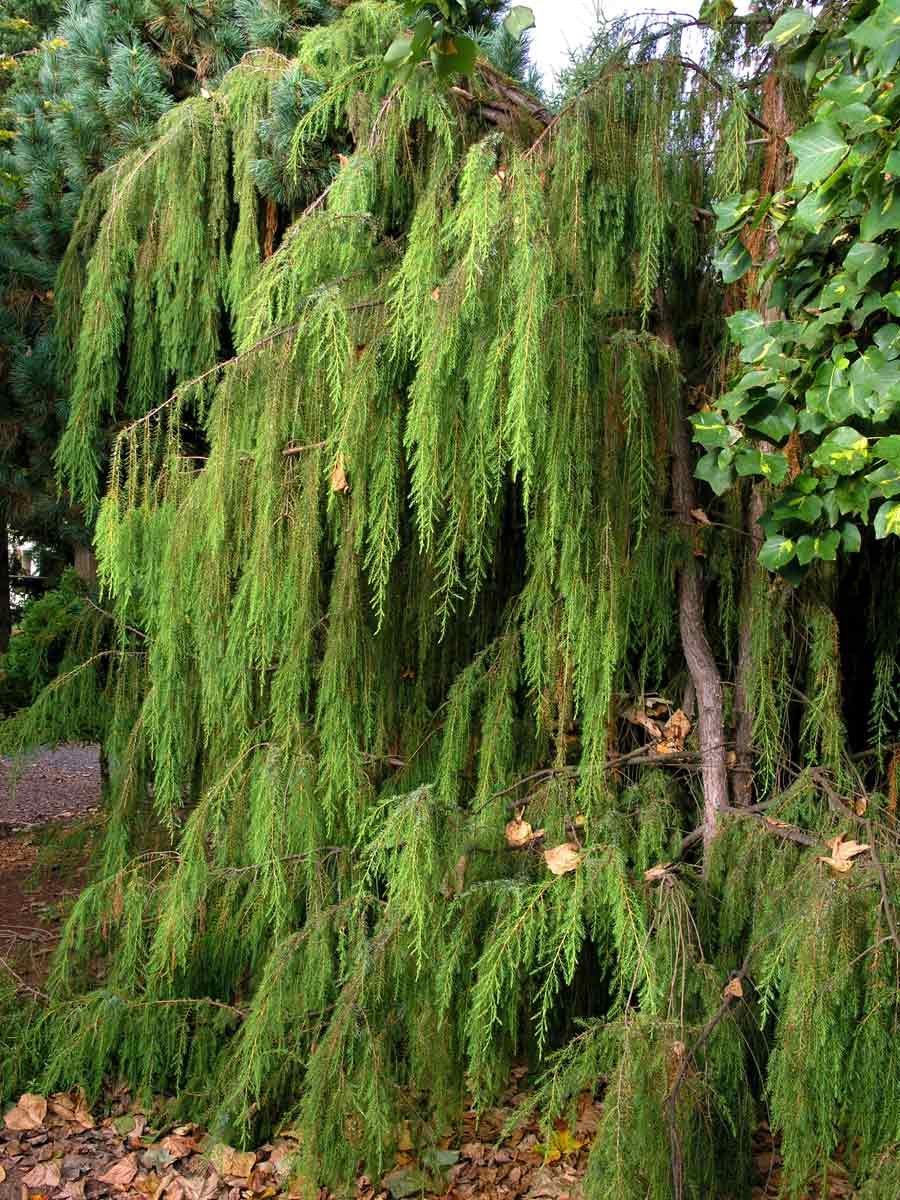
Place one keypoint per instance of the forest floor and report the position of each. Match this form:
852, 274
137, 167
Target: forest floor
57, 1148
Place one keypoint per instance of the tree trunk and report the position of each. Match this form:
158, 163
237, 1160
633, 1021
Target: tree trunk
5, 599
86, 564
692, 624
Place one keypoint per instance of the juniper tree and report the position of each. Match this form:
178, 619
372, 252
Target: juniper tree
409, 566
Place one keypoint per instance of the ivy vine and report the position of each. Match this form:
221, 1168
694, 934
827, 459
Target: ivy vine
816, 408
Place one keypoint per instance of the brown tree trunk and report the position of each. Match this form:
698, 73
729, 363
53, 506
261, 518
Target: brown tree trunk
698, 654
5, 598
86, 564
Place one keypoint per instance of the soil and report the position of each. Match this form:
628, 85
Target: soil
63, 787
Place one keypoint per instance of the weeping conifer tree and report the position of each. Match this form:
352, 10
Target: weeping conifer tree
409, 568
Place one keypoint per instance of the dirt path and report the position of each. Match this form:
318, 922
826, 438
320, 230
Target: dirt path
49, 785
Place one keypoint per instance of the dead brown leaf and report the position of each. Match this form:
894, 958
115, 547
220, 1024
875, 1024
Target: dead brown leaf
2, 1173
44, 1175
122, 1173
518, 832
842, 853
228, 1161
658, 872
733, 990
29, 1113
677, 727
562, 859
339, 476
178, 1145
72, 1106
638, 716
700, 516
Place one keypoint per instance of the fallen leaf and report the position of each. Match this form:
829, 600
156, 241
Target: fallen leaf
842, 853
733, 989
178, 1146
339, 476
29, 1113
228, 1161
44, 1175
121, 1174
563, 858
657, 872
560, 1142
72, 1106
409, 1181
518, 832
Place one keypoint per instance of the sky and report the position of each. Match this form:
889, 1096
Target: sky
564, 24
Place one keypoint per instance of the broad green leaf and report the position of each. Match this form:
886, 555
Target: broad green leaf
776, 552
819, 148
745, 325
888, 448
886, 480
822, 546
773, 467
733, 261
848, 89
517, 20
719, 476
398, 51
733, 209
803, 508
794, 23
887, 519
776, 421
845, 451
865, 259
465, 51
711, 431
851, 539
883, 214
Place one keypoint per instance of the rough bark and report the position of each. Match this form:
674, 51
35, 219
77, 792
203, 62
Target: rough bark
692, 625
5, 599
86, 564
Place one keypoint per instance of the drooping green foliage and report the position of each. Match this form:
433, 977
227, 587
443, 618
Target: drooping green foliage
399, 547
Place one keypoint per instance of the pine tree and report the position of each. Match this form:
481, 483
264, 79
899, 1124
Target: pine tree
409, 568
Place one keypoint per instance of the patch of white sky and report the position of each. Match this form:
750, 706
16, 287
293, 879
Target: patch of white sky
561, 26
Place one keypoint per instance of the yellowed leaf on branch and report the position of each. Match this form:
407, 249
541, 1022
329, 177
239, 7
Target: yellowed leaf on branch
339, 476
700, 516
733, 990
29, 1113
860, 804
638, 716
560, 1142
563, 858
657, 872
518, 832
842, 853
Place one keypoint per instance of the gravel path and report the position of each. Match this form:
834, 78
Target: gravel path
48, 785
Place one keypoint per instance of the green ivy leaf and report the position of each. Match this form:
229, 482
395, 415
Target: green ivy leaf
844, 451
887, 519
865, 259
888, 448
733, 261
776, 552
795, 23
711, 431
719, 476
885, 480
776, 421
517, 20
823, 546
398, 51
851, 538
819, 148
